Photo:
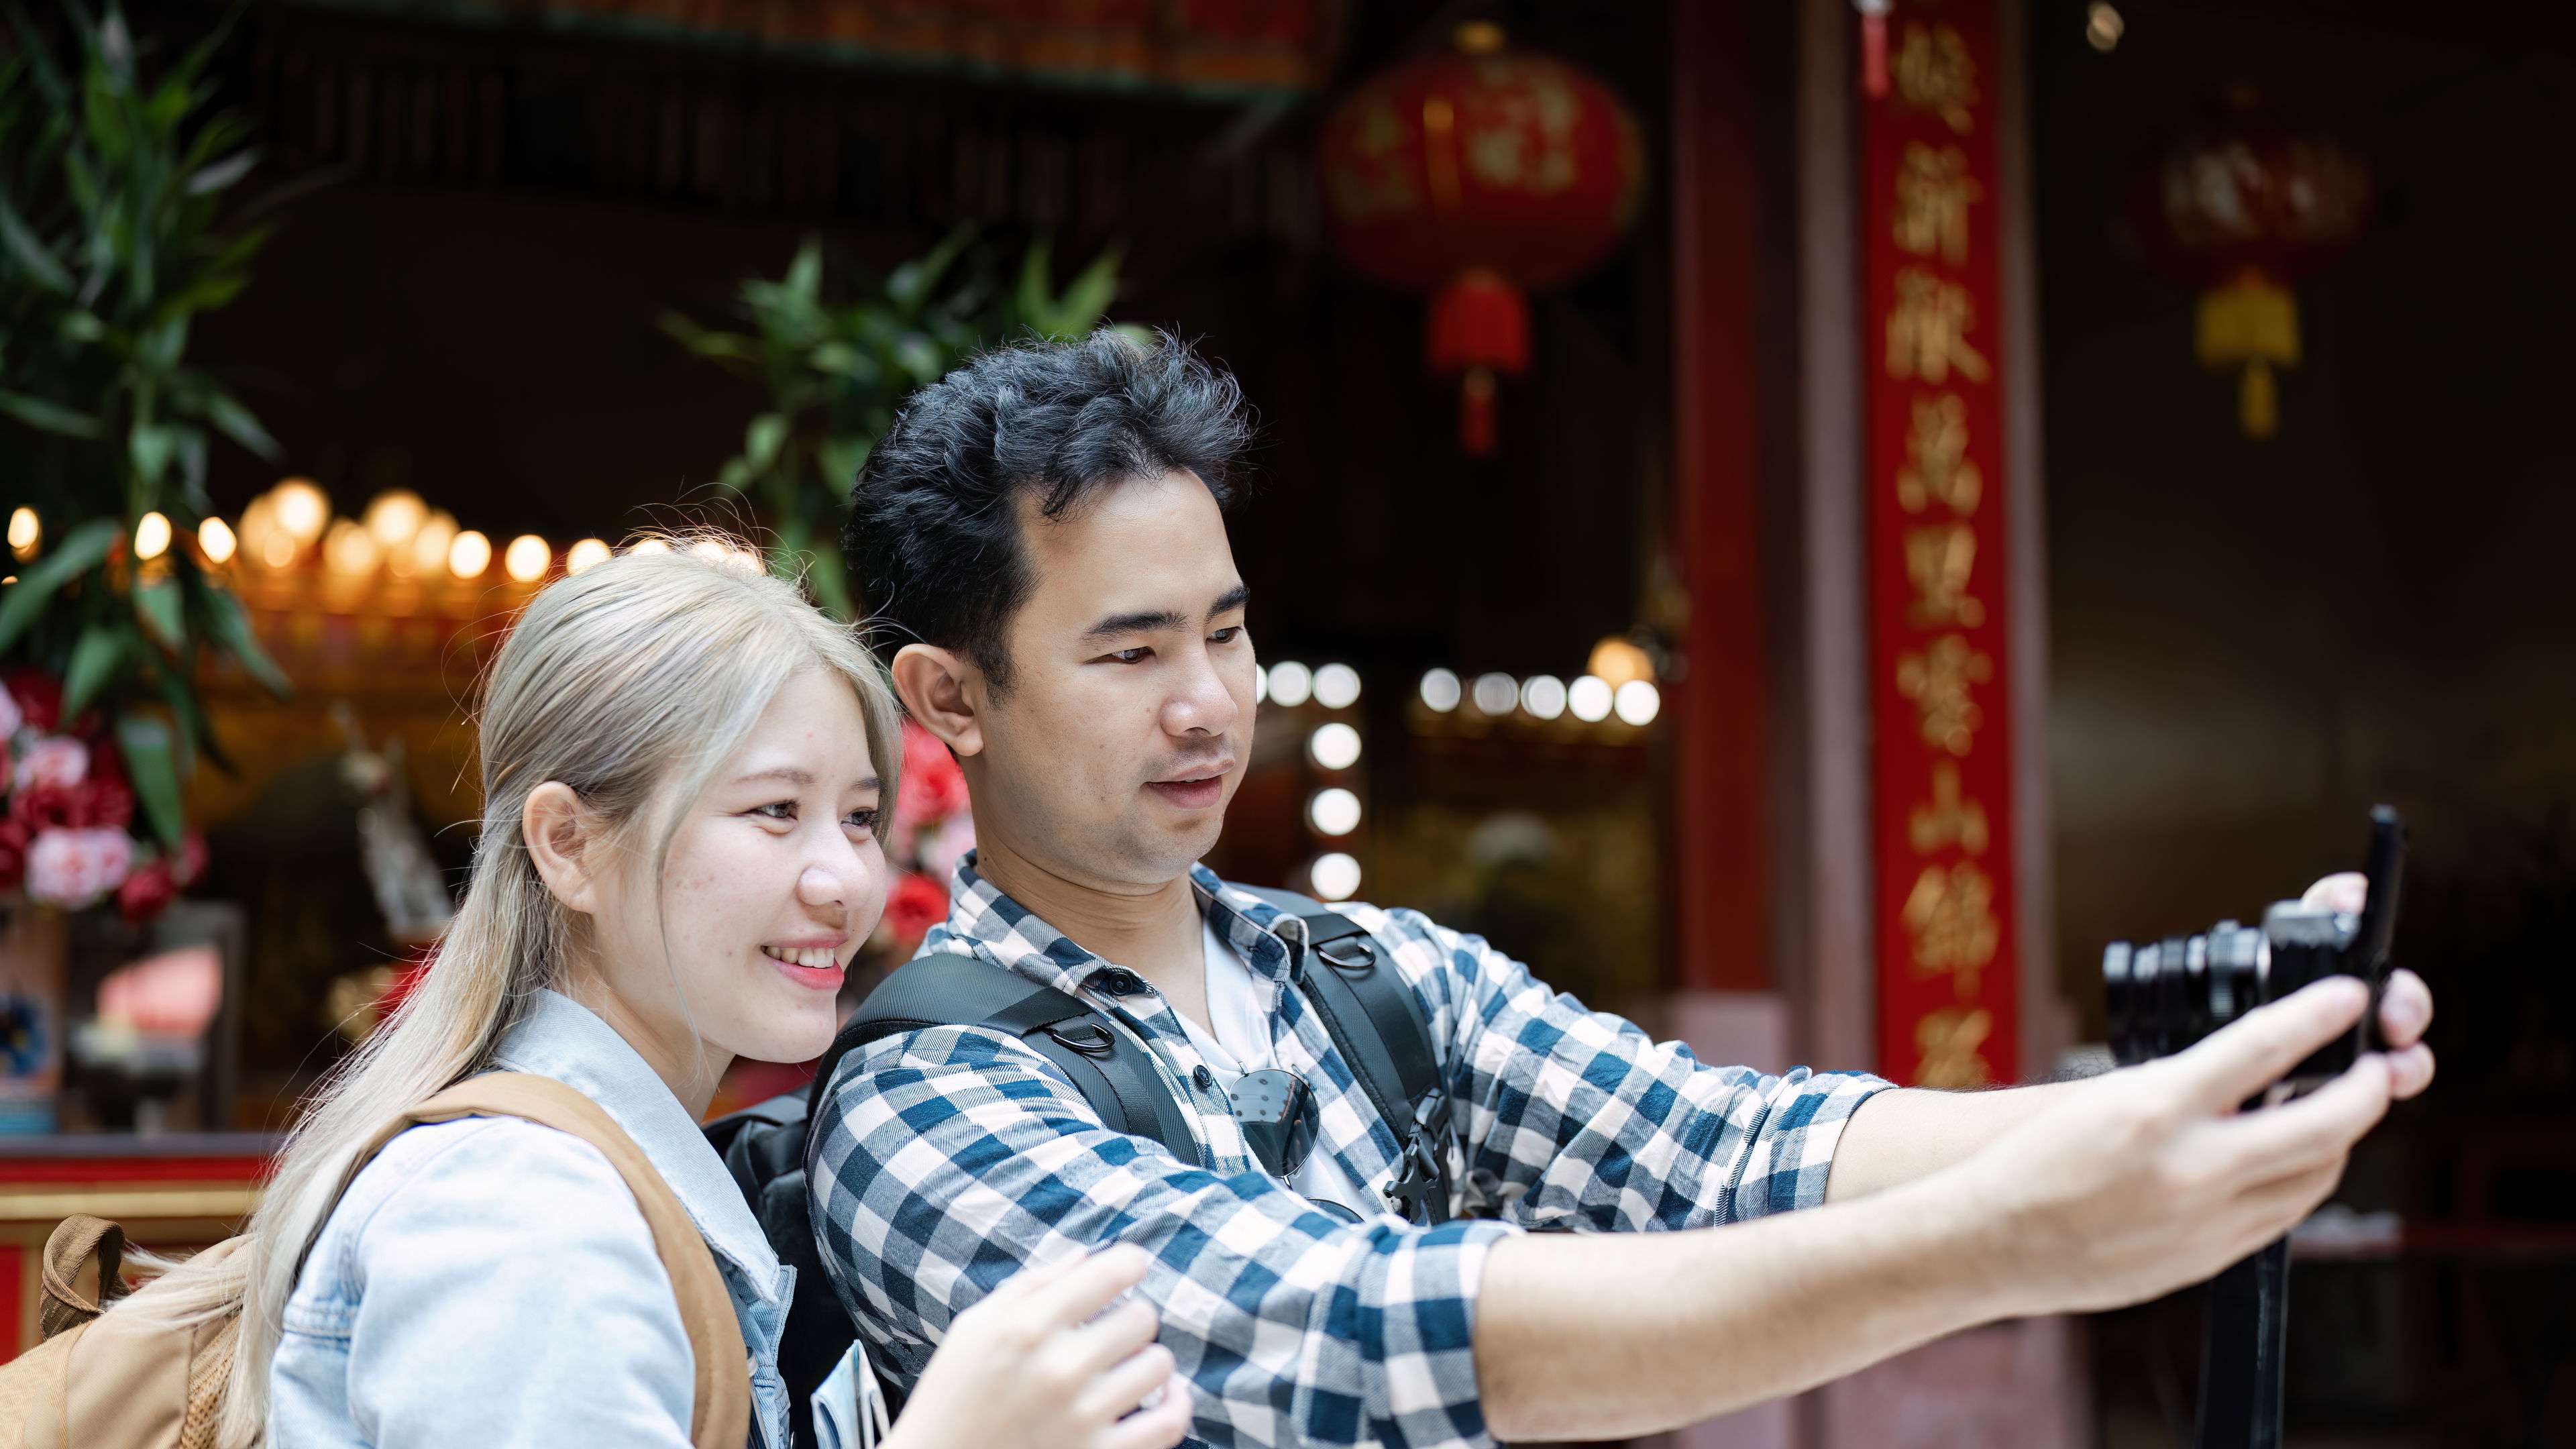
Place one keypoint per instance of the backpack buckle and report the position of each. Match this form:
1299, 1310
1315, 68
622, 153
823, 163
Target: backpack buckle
1357, 957
1087, 1037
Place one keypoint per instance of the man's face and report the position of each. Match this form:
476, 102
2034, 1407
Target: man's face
1128, 719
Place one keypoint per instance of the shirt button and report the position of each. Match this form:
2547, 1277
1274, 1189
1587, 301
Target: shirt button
1119, 981
1205, 1079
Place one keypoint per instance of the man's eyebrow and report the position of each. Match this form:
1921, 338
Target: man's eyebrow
1145, 622
1233, 599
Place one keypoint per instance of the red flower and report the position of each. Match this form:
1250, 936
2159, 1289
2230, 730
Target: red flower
192, 857
39, 696
48, 807
913, 907
14, 839
933, 787
147, 891
105, 804
105, 763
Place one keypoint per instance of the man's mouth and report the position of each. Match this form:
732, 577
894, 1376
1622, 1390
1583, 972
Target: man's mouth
1197, 791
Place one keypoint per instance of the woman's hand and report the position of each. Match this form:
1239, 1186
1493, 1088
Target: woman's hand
1038, 1365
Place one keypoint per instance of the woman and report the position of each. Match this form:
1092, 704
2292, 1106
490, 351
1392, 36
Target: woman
683, 772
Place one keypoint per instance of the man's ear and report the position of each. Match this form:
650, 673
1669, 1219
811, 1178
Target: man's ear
944, 694
563, 841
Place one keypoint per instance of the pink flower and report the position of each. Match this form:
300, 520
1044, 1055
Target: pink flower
59, 762
10, 718
4, 756
76, 867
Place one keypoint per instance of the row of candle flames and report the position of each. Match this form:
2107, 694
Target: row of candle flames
292, 523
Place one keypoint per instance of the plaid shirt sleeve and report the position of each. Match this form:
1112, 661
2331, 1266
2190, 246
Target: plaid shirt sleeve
952, 1157
1578, 1119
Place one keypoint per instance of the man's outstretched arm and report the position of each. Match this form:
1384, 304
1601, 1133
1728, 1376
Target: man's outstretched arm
1898, 1136
2135, 1184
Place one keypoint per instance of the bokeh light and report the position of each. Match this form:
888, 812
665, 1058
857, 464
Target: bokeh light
1291, 683
1337, 686
1334, 746
1589, 699
1335, 876
1441, 691
1333, 812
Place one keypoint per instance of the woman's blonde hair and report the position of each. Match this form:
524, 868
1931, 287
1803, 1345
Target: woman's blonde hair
632, 683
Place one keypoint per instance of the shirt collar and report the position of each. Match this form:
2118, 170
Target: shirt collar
982, 921
562, 1039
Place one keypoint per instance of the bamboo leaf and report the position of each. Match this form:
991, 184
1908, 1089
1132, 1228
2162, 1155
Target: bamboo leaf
31, 253
223, 173
95, 658
160, 607
47, 417
151, 764
237, 423
82, 549
229, 622
761, 441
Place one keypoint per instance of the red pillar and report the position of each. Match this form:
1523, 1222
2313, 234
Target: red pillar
1719, 878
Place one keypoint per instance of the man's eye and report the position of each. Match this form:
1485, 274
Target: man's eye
1226, 636
1130, 656
776, 810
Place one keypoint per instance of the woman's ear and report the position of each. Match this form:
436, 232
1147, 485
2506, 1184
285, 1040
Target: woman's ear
943, 693
562, 840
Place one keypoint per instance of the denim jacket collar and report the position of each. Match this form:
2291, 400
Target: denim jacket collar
562, 1039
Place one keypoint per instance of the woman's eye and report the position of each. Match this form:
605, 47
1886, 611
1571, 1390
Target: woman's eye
866, 820
776, 810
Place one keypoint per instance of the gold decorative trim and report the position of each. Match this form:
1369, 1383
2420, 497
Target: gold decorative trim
130, 1204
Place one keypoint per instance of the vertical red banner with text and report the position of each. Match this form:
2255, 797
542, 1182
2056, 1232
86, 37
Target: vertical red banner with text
1937, 536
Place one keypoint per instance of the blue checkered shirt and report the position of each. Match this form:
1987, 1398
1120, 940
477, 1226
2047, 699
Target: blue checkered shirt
946, 1159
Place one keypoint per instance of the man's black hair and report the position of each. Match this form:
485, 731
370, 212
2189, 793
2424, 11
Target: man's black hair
934, 538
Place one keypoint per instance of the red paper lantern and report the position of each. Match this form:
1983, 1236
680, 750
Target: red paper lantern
1477, 175
2241, 201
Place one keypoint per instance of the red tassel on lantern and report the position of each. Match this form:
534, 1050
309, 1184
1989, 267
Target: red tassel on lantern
1479, 327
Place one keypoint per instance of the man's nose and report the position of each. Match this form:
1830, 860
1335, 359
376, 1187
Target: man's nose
1199, 703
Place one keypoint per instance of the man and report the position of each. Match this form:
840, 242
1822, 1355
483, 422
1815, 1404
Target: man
1045, 527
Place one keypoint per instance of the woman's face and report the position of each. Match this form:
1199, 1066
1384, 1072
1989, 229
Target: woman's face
774, 878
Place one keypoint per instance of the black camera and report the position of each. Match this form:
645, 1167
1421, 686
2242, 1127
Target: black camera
2168, 994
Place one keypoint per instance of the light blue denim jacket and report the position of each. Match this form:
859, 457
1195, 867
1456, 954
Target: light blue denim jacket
491, 1282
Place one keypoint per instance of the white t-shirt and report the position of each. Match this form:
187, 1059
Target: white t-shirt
1239, 1011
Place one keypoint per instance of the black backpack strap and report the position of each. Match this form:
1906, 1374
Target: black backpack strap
1108, 1067
1378, 1026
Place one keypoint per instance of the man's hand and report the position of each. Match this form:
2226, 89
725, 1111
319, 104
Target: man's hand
2152, 1178
1899, 1136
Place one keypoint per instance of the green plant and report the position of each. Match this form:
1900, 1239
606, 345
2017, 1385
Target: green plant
834, 373
110, 246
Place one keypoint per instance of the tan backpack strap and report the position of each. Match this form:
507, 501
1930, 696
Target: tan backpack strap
720, 1416
74, 1241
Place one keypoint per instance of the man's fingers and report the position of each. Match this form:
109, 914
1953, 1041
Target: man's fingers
2307, 1134
2345, 890
1159, 1427
2247, 1055
2410, 1071
1089, 1285
1116, 1392
2405, 1009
